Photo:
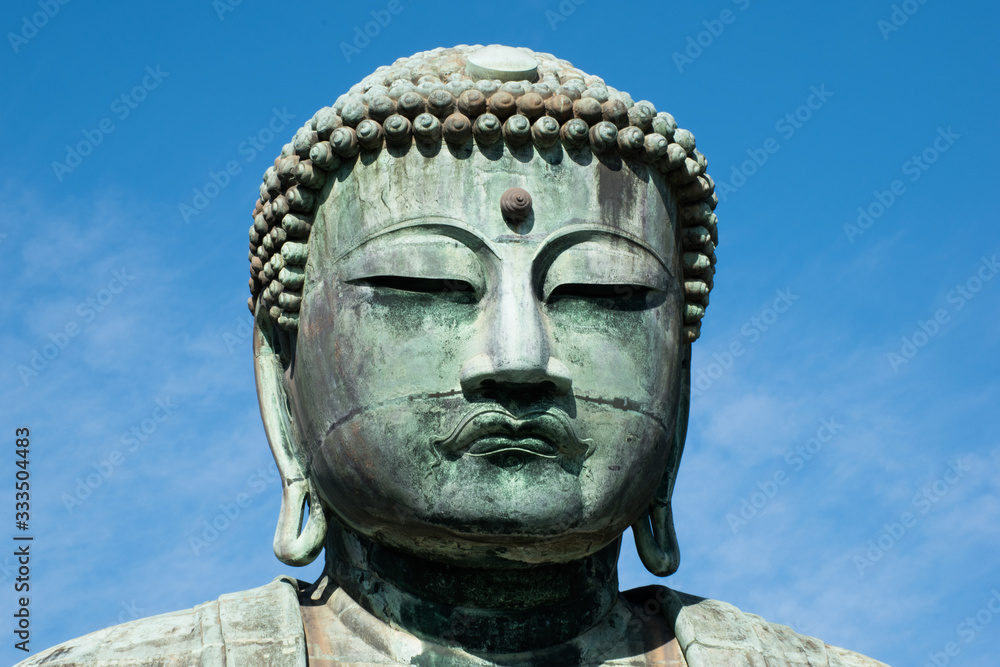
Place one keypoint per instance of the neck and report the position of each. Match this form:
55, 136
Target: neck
493, 610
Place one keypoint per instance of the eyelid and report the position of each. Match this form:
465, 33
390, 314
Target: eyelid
427, 258
583, 232
593, 263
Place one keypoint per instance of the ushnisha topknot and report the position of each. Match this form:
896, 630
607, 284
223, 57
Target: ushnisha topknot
483, 95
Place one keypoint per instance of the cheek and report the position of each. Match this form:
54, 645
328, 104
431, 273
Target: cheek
378, 347
619, 355
351, 462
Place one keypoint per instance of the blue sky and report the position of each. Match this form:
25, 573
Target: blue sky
843, 463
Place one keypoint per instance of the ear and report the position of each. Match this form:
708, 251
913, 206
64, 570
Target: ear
292, 545
655, 539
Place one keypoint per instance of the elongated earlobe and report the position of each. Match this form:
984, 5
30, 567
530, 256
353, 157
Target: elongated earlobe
655, 539
657, 544
293, 544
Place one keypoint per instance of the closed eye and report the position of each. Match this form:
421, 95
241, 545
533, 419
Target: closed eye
445, 286
616, 297
585, 291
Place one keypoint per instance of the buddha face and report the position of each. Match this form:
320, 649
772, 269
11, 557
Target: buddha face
477, 390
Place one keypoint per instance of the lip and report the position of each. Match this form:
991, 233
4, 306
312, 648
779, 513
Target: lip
489, 431
493, 445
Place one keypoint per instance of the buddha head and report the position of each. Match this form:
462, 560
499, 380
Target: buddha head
476, 279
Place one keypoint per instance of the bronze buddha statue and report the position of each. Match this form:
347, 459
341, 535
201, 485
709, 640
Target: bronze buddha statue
475, 279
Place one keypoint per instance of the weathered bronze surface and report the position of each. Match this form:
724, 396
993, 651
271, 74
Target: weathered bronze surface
476, 279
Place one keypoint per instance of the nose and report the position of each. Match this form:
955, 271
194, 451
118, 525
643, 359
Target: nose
516, 347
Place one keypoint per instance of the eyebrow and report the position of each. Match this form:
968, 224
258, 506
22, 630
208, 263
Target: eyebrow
442, 225
579, 227
456, 229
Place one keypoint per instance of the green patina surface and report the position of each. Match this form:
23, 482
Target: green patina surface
474, 313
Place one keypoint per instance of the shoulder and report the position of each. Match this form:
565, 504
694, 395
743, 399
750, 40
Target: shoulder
711, 632
260, 626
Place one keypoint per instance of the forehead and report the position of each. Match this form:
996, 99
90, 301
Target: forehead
387, 190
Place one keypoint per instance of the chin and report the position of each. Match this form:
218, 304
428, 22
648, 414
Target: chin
489, 550
489, 515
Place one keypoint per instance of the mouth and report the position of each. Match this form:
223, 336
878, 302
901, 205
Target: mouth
492, 431
495, 445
